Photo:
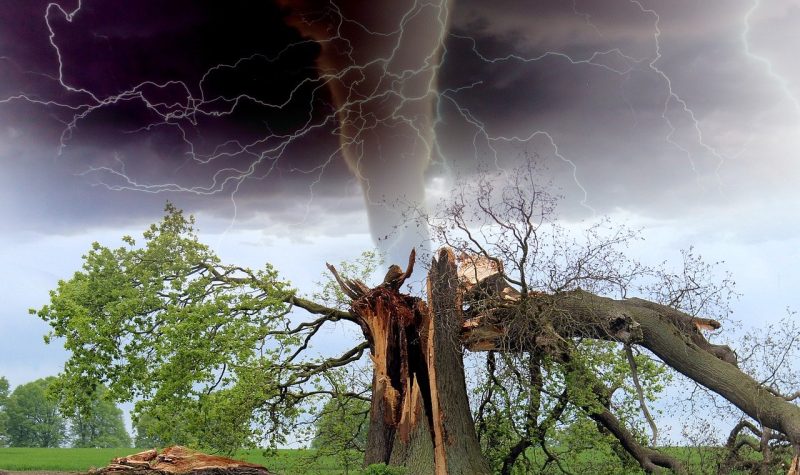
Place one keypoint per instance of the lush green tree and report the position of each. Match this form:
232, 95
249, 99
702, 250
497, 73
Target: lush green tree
146, 427
3, 415
99, 424
33, 416
210, 351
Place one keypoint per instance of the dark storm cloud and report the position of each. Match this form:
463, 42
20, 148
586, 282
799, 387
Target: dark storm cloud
113, 46
632, 142
611, 125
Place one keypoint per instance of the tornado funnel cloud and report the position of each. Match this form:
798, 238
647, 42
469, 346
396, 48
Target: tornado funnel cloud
380, 61
205, 120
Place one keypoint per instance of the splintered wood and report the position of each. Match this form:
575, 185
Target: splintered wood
794, 468
474, 268
177, 460
390, 319
419, 401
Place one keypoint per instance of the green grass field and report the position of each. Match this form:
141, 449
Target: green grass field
57, 459
285, 462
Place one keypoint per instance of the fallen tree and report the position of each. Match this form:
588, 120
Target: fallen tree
420, 415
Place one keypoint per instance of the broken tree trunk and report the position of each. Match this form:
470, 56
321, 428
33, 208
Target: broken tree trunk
420, 416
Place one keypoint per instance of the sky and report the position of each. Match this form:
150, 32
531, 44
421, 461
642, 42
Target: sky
681, 117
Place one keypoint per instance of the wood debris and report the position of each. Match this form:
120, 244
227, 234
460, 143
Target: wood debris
794, 468
176, 460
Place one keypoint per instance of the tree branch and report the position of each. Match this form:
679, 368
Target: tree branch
640, 394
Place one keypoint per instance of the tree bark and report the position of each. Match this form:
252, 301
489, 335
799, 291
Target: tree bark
456, 447
649, 459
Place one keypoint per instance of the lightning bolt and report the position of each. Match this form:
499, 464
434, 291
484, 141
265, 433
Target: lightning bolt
781, 81
673, 97
267, 152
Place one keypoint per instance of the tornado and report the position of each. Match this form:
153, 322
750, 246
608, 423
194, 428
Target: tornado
380, 61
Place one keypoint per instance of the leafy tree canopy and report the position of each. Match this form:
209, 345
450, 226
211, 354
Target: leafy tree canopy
207, 349
3, 391
146, 436
33, 418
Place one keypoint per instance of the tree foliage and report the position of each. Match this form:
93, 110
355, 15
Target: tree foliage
33, 418
207, 349
4, 387
146, 433
99, 425
342, 425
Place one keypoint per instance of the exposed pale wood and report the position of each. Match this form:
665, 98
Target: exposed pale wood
794, 467
420, 415
352, 288
474, 268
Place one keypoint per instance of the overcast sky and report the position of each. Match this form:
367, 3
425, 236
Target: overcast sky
681, 116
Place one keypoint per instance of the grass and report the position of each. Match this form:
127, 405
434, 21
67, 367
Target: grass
67, 460
284, 462
296, 462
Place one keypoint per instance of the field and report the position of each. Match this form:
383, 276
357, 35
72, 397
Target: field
285, 462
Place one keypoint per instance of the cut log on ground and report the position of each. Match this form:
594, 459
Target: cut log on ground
177, 460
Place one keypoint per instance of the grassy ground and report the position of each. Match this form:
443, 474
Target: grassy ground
298, 462
57, 459
290, 462
285, 462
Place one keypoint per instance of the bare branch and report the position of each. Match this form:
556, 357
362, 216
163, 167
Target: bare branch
640, 394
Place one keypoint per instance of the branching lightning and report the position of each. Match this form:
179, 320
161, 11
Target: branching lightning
268, 151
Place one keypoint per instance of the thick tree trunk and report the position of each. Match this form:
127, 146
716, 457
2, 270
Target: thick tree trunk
456, 448
420, 417
720, 376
